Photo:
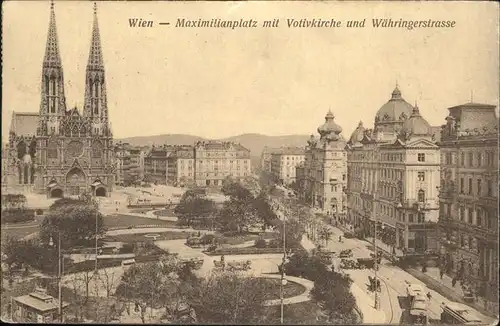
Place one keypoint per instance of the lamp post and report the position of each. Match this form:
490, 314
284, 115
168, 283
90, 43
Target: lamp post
96, 231
377, 300
283, 280
51, 243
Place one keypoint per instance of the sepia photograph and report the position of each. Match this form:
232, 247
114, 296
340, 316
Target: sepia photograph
250, 162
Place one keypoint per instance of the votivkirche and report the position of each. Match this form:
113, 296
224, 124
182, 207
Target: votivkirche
61, 151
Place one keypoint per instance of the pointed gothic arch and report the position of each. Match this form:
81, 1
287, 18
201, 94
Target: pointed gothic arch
97, 149
75, 181
52, 151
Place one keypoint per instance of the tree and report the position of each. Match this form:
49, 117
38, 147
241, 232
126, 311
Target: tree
12, 201
332, 292
294, 231
229, 299
193, 208
237, 215
75, 222
264, 210
153, 284
325, 234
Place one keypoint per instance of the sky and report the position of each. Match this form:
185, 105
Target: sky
218, 83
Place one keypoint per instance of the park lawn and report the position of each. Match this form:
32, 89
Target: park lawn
141, 210
18, 233
165, 212
130, 238
303, 313
123, 220
272, 285
237, 239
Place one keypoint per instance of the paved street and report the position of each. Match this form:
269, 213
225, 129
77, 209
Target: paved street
393, 295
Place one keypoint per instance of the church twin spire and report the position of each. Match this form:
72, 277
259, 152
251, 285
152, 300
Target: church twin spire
53, 101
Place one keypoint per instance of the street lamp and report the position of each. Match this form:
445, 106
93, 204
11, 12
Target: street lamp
51, 244
377, 299
283, 280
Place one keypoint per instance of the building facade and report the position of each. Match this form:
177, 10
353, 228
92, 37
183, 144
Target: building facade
468, 219
283, 164
217, 160
60, 151
322, 177
129, 164
265, 158
393, 178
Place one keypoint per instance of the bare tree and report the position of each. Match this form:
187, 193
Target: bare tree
76, 285
109, 280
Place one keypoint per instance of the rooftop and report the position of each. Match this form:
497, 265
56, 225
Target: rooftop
40, 301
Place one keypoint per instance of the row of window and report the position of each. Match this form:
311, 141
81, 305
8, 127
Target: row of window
471, 159
480, 190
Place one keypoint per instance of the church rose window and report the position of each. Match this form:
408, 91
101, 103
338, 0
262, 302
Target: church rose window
74, 149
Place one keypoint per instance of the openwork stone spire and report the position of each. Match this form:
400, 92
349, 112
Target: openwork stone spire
95, 61
52, 58
52, 101
96, 105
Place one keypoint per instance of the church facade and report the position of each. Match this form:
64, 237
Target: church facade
61, 151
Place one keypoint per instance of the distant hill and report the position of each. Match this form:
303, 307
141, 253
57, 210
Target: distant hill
254, 142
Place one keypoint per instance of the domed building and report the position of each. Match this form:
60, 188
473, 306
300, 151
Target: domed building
392, 174
322, 177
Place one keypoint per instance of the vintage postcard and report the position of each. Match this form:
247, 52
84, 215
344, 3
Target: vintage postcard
256, 162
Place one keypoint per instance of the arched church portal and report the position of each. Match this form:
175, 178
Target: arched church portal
56, 193
100, 192
75, 182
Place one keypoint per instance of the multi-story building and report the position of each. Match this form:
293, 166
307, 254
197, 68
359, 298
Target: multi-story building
265, 158
184, 165
156, 164
322, 176
60, 151
129, 164
217, 160
283, 164
393, 177
468, 221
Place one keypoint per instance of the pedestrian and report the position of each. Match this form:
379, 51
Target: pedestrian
340, 238
429, 296
453, 282
441, 273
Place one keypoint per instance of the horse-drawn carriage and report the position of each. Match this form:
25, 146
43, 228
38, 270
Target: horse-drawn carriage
348, 264
239, 265
366, 263
374, 284
346, 253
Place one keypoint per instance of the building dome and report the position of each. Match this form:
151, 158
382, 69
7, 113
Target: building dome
357, 134
329, 127
416, 124
27, 158
396, 109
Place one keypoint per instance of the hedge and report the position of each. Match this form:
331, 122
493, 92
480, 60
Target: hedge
15, 215
244, 251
